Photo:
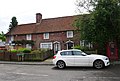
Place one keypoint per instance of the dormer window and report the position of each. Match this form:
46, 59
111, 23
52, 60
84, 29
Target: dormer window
46, 35
69, 34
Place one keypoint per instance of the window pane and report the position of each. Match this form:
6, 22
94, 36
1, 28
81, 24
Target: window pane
69, 34
28, 37
46, 35
28, 46
12, 38
66, 53
77, 53
46, 45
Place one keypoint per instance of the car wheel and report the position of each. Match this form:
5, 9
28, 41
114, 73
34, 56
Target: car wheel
98, 64
61, 64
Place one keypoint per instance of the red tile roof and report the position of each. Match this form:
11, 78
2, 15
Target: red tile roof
46, 25
22, 29
56, 24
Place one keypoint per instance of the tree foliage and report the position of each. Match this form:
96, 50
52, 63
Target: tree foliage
102, 24
2, 36
13, 23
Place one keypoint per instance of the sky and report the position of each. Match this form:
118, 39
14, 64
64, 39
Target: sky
25, 10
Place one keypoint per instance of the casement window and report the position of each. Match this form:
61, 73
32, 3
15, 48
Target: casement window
69, 34
28, 46
82, 43
29, 37
12, 38
46, 45
85, 43
46, 35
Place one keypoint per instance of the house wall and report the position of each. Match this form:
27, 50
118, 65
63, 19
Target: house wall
55, 36
19, 37
60, 37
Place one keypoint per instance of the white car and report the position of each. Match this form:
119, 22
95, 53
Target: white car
76, 57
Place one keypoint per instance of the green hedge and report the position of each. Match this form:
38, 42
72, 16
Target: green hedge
21, 50
24, 55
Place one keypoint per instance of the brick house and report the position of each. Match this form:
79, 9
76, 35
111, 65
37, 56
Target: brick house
54, 33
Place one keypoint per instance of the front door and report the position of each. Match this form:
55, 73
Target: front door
56, 47
70, 45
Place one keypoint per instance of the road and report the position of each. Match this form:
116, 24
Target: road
10, 72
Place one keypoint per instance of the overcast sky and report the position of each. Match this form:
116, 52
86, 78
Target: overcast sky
25, 10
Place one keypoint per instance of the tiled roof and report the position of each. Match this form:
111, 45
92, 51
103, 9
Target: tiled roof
46, 25
56, 24
23, 29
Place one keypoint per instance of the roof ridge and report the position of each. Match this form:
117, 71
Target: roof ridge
60, 17
26, 24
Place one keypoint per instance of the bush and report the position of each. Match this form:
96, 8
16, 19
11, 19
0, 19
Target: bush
42, 54
81, 48
35, 52
77, 47
13, 51
24, 50
86, 49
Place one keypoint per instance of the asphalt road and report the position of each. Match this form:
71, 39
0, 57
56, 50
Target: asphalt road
10, 72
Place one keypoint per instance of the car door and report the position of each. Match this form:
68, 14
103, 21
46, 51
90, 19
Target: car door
68, 57
81, 59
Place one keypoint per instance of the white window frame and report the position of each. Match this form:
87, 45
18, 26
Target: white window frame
12, 38
29, 46
46, 35
29, 37
48, 45
69, 34
83, 43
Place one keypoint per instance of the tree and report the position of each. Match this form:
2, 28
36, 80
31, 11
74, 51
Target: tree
102, 25
14, 23
2, 36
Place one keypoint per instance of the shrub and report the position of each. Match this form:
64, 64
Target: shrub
84, 48
24, 50
13, 51
41, 54
35, 52
77, 47
39, 51
80, 47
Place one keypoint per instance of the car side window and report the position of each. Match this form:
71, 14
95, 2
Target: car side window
77, 53
68, 53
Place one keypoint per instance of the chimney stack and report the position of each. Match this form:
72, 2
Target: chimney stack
38, 17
